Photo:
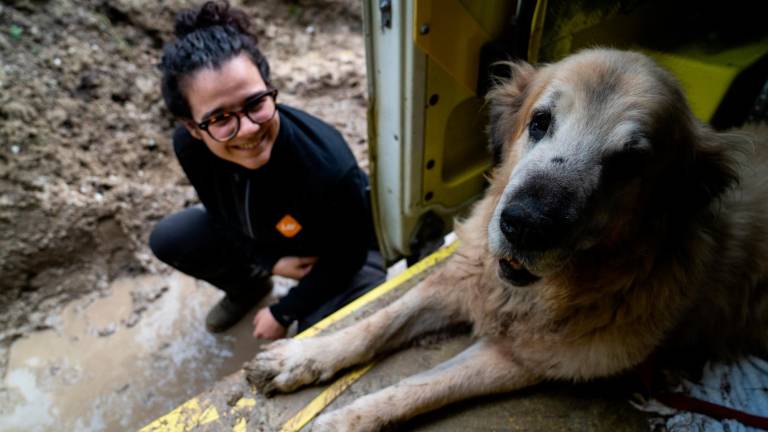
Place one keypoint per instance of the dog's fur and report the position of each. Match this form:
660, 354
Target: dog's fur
615, 226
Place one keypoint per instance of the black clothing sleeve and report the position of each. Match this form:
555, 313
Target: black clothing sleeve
345, 247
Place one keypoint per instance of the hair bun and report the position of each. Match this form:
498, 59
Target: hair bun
210, 14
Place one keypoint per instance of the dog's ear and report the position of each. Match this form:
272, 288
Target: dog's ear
505, 100
704, 169
712, 171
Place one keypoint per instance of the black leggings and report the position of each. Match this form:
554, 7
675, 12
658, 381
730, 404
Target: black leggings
189, 242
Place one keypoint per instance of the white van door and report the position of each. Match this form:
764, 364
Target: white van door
428, 157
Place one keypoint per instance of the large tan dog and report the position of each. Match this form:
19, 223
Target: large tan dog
616, 225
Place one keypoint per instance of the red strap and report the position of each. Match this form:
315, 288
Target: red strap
687, 403
681, 401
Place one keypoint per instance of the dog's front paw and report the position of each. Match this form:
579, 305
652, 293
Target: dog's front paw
288, 364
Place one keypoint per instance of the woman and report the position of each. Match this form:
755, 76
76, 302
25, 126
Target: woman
281, 192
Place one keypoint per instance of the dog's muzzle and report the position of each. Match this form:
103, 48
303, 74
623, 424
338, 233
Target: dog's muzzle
534, 221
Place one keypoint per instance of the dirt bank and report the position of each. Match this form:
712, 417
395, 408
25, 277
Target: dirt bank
86, 165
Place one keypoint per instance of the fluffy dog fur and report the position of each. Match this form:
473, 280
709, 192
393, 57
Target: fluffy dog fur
615, 226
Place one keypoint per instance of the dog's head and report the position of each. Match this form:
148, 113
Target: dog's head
591, 152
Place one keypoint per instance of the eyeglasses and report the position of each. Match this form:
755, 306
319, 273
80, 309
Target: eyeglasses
259, 108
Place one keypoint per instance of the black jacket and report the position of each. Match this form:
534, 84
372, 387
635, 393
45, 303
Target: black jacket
311, 176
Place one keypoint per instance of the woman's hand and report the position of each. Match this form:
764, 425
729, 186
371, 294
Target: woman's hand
294, 267
266, 327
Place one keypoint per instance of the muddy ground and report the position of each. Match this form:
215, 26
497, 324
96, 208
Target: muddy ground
86, 164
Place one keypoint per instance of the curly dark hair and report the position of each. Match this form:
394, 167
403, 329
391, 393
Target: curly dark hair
206, 37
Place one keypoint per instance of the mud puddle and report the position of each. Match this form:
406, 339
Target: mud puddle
118, 362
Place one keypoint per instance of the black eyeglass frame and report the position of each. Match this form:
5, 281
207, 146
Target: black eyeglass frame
269, 92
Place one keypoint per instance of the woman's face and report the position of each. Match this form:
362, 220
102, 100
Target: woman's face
212, 91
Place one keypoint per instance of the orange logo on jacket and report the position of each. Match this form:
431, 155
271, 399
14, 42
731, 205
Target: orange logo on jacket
288, 226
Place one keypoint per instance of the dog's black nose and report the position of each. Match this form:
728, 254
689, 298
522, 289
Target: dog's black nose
532, 225
515, 223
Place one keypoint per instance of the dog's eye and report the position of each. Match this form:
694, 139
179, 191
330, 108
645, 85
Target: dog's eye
539, 125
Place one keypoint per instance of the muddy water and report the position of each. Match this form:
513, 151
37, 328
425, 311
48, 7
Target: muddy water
118, 362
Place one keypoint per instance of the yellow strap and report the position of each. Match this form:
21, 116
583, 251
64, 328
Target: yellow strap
323, 399
380, 290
